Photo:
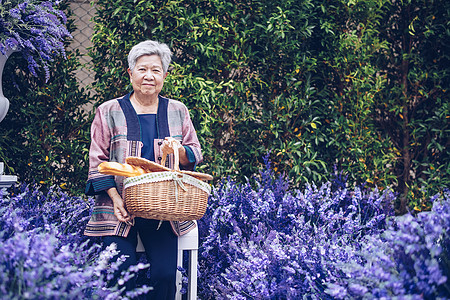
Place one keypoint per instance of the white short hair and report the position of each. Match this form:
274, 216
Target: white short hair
150, 48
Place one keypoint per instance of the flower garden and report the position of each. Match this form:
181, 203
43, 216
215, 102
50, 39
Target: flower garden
260, 241
325, 125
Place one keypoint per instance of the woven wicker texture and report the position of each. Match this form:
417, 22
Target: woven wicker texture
165, 200
172, 199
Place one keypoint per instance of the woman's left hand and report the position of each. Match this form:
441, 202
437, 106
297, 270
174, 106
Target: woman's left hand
169, 144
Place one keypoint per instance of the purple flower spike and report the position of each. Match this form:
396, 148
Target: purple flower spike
265, 241
44, 254
36, 29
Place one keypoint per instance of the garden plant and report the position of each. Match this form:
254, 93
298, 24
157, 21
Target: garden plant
324, 123
45, 135
35, 28
323, 242
43, 253
361, 86
261, 241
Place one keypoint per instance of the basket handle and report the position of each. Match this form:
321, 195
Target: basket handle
174, 144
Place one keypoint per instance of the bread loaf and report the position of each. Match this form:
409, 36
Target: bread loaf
115, 168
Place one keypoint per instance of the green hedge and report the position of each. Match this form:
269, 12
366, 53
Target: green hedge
358, 87
319, 84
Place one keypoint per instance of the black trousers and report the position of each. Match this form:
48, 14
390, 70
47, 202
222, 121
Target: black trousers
161, 249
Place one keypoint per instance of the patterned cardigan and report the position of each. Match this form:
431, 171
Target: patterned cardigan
115, 135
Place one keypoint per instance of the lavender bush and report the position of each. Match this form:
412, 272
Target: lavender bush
410, 258
35, 28
258, 241
328, 242
44, 255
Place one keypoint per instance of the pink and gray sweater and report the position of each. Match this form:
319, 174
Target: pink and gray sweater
115, 135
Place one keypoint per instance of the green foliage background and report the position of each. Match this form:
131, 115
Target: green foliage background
358, 87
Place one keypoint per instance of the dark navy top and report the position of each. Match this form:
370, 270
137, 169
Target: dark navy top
149, 132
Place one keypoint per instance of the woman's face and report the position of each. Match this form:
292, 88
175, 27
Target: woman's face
148, 76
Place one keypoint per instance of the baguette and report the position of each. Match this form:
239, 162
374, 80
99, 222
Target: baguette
150, 166
115, 168
147, 165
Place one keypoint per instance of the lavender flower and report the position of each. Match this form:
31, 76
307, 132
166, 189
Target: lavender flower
258, 241
36, 29
44, 254
264, 241
409, 258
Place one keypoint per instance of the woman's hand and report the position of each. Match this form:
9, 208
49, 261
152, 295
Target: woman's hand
168, 146
119, 207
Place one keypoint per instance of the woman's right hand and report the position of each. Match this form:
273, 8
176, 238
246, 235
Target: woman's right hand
119, 207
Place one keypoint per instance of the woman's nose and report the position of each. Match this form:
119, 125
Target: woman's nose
149, 74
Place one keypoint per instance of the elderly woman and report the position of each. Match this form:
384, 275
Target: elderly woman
140, 123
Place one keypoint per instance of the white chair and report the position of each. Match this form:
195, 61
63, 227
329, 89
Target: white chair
6, 180
188, 242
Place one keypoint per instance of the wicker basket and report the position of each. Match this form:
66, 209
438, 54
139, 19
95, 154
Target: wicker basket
169, 195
